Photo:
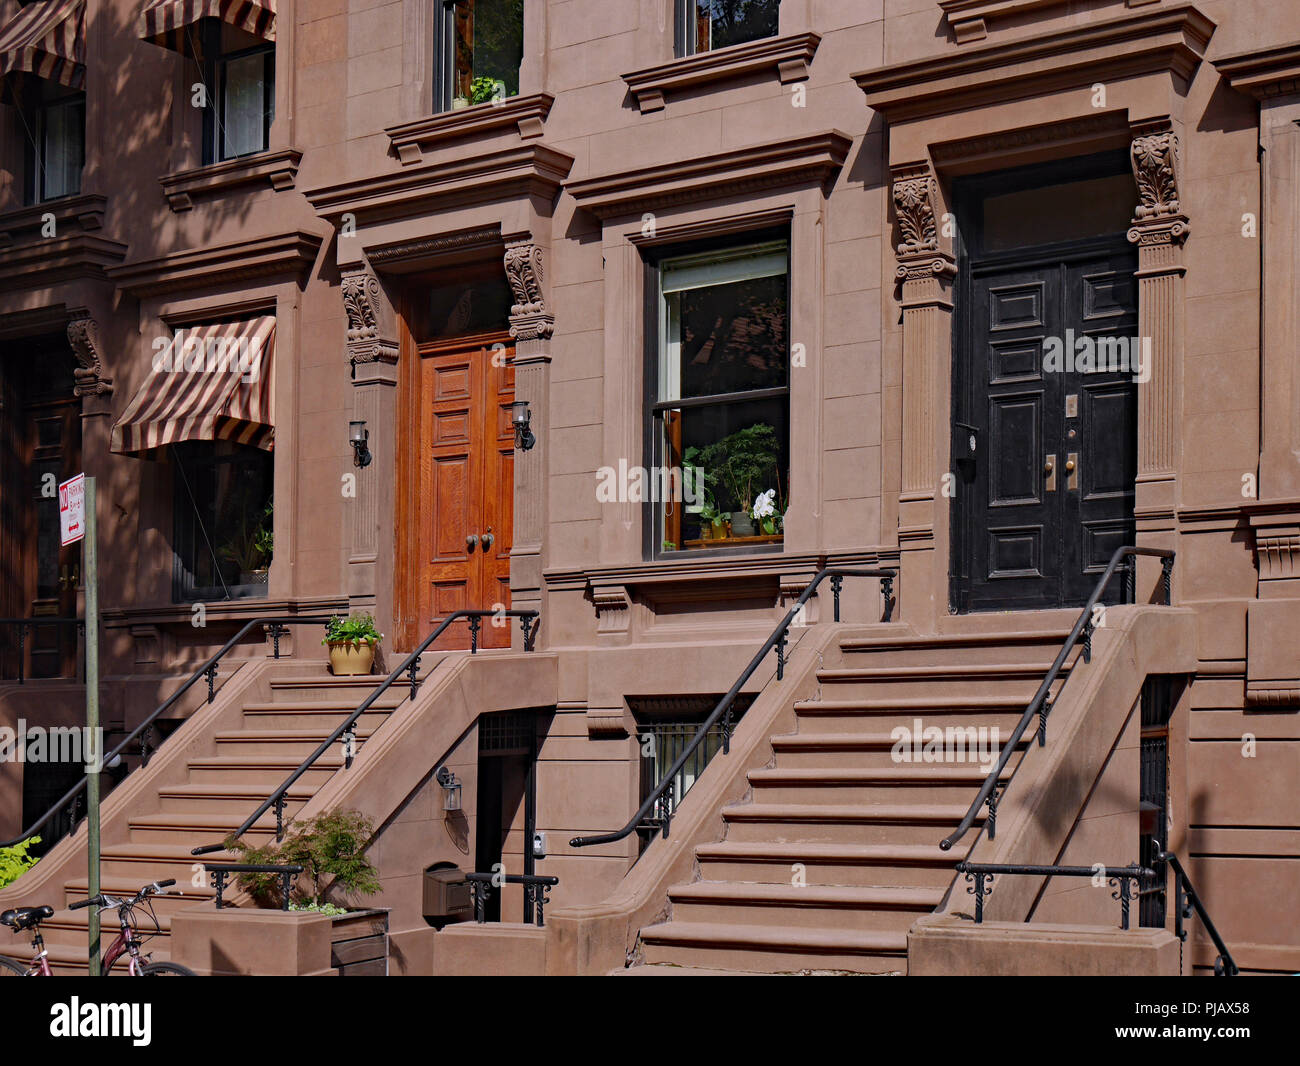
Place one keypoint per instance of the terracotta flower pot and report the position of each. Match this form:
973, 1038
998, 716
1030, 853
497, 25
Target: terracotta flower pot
351, 660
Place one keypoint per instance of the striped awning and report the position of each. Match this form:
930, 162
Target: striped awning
165, 22
208, 383
47, 39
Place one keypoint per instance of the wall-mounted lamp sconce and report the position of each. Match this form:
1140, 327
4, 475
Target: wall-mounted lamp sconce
359, 438
451, 789
520, 418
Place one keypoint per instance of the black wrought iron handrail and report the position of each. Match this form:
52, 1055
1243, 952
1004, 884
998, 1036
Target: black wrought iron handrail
284, 870
144, 731
537, 888
410, 665
1185, 900
1122, 877
1041, 705
722, 712
25, 624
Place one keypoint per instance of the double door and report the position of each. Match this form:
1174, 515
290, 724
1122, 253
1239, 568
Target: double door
1045, 427
461, 517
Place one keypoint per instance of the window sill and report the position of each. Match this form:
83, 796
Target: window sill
789, 56
279, 169
411, 140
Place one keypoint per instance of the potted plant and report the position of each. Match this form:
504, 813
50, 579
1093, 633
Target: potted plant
484, 89
742, 460
331, 849
351, 642
769, 511
250, 550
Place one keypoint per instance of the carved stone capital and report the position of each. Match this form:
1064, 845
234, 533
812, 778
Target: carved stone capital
914, 195
83, 335
523, 263
363, 300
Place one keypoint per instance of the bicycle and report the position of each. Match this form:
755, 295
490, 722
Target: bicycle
128, 941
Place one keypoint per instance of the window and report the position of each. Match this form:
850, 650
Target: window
223, 520
240, 81
720, 400
707, 25
480, 48
57, 149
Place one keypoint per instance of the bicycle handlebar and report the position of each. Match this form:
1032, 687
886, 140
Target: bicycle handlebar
103, 901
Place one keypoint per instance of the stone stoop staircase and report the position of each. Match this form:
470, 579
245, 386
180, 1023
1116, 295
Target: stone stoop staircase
219, 791
834, 853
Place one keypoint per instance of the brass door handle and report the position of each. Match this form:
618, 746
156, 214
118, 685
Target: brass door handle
471, 542
1049, 469
487, 541
1069, 466
1072, 471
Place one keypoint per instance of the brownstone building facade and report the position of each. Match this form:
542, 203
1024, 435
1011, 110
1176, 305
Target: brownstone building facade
638, 314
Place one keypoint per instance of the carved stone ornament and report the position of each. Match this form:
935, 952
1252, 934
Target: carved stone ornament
83, 335
914, 205
362, 299
529, 317
1155, 167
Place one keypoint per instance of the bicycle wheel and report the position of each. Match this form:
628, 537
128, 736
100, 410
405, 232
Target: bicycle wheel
165, 969
9, 968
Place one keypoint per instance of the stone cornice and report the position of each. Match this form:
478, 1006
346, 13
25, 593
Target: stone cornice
1163, 39
969, 18
1264, 73
277, 169
789, 57
526, 113
805, 160
56, 241
285, 254
529, 169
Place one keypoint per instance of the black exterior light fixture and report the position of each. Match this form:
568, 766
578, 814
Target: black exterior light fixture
520, 417
451, 789
359, 438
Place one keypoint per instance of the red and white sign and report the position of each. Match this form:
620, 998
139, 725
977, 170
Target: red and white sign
72, 510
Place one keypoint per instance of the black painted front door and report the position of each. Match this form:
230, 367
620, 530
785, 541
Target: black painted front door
1046, 494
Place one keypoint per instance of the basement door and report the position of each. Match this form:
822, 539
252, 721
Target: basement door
1044, 441
462, 514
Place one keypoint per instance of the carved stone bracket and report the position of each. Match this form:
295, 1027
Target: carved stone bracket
1159, 218
362, 301
613, 608
83, 335
914, 195
530, 318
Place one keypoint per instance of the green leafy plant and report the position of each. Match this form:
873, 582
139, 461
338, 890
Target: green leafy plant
250, 548
357, 628
331, 849
15, 861
483, 89
743, 462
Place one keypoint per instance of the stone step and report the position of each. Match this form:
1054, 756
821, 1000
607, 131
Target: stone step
892, 784
973, 745
761, 948
141, 863
952, 710
241, 800
877, 824
1008, 680
196, 830
828, 863
292, 743
960, 649
804, 906
261, 770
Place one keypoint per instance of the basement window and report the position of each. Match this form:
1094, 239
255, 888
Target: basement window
707, 25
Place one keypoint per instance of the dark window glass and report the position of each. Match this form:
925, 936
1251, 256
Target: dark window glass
239, 75
721, 404
707, 25
481, 48
223, 520
58, 150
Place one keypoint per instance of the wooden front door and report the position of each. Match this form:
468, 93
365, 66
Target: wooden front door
1047, 448
461, 521
42, 444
